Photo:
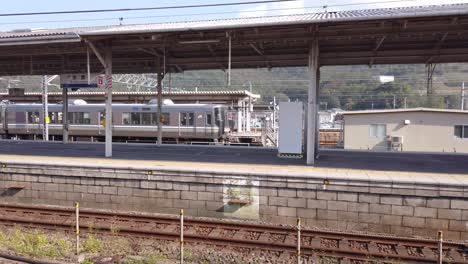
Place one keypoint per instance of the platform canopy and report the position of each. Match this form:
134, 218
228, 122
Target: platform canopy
430, 34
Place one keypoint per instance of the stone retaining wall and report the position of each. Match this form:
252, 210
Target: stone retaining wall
400, 208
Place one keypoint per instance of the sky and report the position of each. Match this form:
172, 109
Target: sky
156, 16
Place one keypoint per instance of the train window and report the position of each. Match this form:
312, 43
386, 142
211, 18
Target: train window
55, 117
80, 118
126, 118
187, 119
154, 119
52, 117
191, 120
33, 117
86, 118
165, 119
183, 119
76, 118
136, 118
146, 119
208, 120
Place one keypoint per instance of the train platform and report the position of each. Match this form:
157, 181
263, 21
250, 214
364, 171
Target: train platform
415, 168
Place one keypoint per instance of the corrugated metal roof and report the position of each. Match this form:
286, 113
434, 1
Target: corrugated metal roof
342, 16
25, 33
238, 92
420, 109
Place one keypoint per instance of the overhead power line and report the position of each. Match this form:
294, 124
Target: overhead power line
140, 8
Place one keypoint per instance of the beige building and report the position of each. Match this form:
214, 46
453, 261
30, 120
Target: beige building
417, 129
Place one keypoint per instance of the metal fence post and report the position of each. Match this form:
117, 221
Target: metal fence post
181, 236
440, 254
77, 210
298, 241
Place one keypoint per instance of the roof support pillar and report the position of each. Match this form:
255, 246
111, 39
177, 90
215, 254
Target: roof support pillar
160, 77
312, 102
65, 116
108, 92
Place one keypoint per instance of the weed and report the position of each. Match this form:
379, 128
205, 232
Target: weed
37, 244
92, 244
156, 258
188, 254
114, 230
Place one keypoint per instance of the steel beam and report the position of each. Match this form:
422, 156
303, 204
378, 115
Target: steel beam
100, 57
256, 49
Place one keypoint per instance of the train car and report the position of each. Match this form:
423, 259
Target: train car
190, 122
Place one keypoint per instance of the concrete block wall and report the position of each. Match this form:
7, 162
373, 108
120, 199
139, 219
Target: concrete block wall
406, 209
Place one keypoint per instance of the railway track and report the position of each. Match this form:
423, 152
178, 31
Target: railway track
346, 247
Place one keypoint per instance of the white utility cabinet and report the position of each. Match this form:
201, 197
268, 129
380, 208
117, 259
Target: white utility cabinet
290, 127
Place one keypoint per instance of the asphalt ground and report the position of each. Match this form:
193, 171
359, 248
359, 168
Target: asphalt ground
339, 159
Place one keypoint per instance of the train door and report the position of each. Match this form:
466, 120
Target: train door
209, 124
187, 125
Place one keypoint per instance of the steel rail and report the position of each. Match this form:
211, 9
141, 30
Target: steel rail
286, 246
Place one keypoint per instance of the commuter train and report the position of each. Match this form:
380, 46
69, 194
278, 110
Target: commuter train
187, 122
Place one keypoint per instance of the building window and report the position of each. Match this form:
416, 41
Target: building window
377, 131
461, 131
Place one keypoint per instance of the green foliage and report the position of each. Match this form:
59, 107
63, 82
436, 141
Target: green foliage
87, 262
347, 87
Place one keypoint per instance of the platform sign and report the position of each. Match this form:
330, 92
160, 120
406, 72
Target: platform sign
290, 128
80, 81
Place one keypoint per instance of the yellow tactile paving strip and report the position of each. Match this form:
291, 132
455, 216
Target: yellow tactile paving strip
228, 167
